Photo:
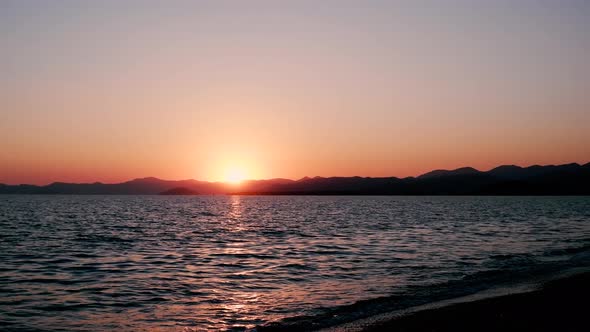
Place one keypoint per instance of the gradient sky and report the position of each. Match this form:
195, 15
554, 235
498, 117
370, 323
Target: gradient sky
113, 90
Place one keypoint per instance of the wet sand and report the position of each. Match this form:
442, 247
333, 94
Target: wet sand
560, 305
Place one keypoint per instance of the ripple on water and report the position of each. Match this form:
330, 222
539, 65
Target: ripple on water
230, 262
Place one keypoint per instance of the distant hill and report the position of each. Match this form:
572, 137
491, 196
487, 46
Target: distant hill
443, 172
568, 179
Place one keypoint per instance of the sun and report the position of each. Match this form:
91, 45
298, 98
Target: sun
235, 175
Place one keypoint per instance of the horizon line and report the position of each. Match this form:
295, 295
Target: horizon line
299, 179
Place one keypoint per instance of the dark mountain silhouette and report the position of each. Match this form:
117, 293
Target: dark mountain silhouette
442, 172
513, 172
568, 179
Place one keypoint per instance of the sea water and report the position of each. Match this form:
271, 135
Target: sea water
184, 263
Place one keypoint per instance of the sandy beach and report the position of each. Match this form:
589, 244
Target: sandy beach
560, 305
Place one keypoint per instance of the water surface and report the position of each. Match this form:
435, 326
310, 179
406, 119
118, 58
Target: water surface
90, 263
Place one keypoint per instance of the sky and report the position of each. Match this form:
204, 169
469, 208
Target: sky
213, 90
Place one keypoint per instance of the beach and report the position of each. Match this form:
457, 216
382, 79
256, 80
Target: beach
559, 305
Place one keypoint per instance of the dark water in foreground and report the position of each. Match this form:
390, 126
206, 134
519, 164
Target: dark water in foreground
230, 262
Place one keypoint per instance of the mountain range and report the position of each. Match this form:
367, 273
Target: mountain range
567, 179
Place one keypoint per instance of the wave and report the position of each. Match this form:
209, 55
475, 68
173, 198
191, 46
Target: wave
507, 278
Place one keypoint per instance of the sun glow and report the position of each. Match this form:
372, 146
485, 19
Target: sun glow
235, 175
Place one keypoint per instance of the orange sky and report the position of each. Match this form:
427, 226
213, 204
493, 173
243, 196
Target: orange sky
110, 92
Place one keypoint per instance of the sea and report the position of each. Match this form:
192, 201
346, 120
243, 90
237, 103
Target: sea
250, 263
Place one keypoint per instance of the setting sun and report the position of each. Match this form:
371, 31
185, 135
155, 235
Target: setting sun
235, 175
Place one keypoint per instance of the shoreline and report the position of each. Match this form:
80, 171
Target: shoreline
556, 305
